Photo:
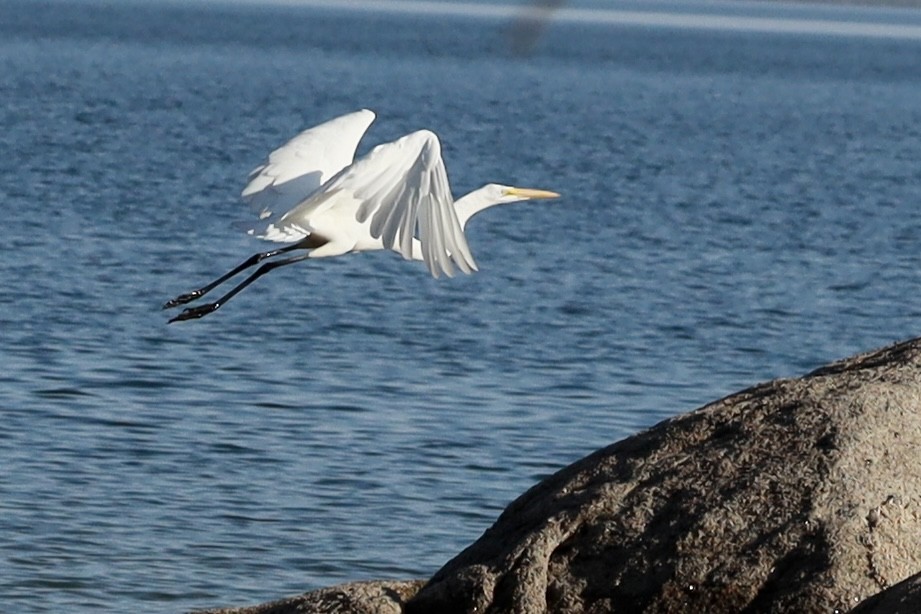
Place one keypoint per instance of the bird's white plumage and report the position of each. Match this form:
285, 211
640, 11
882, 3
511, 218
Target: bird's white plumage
398, 191
311, 194
396, 197
404, 191
304, 163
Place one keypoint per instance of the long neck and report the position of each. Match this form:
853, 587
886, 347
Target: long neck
470, 204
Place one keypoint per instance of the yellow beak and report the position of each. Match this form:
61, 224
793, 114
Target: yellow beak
529, 193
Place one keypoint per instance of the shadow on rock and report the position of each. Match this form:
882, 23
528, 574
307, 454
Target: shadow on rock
798, 495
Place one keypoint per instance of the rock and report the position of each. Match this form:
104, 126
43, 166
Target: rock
383, 597
903, 598
798, 495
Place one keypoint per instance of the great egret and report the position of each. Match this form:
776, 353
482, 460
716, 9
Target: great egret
395, 198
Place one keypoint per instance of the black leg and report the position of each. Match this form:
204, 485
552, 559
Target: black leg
182, 299
202, 310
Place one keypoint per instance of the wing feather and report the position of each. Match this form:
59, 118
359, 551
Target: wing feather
401, 191
411, 196
303, 164
434, 249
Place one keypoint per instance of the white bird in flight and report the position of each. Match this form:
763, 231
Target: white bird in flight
311, 194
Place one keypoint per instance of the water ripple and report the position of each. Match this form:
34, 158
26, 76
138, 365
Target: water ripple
735, 208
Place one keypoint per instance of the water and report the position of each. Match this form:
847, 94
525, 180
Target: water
737, 206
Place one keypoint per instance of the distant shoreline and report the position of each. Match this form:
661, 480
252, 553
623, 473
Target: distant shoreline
908, 4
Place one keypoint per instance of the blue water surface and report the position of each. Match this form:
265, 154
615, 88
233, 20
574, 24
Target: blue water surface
736, 207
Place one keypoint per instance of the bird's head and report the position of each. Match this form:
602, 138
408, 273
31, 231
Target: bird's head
493, 194
501, 194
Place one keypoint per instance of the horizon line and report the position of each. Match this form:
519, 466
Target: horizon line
647, 18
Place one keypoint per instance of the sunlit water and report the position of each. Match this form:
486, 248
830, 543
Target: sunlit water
736, 207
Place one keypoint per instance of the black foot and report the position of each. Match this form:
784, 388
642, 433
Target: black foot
182, 299
193, 313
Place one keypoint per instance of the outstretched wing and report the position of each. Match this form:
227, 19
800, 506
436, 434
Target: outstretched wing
303, 164
403, 190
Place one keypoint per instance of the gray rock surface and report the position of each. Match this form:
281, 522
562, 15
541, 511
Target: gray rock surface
353, 598
903, 598
798, 495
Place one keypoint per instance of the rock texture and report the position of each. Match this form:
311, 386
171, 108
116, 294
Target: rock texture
903, 598
352, 598
799, 495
